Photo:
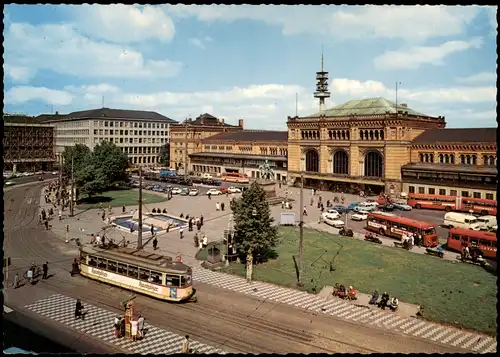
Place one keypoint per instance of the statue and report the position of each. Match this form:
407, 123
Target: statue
266, 173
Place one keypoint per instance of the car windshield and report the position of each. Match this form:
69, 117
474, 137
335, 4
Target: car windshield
430, 231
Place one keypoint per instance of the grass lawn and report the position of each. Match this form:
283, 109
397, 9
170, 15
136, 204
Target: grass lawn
118, 198
454, 293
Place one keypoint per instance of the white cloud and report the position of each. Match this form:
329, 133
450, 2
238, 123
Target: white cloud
61, 49
197, 42
23, 94
124, 23
19, 74
359, 22
492, 18
414, 57
479, 77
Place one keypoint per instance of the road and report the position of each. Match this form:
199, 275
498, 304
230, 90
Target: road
226, 320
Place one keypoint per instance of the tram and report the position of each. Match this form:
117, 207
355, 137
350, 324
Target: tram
138, 270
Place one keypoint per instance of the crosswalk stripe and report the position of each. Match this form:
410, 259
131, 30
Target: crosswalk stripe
482, 343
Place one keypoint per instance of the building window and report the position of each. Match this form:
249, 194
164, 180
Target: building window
340, 163
489, 196
421, 190
373, 164
432, 191
453, 192
312, 161
442, 192
411, 189
465, 193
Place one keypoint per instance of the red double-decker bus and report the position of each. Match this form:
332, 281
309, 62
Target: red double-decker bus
395, 226
453, 203
459, 238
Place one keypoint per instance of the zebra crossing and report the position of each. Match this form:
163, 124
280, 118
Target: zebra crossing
410, 326
98, 323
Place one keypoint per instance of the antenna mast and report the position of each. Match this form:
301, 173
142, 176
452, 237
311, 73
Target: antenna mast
397, 98
296, 104
103, 101
322, 85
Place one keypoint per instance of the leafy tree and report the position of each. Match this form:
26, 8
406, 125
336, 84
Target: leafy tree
253, 223
164, 157
80, 155
110, 163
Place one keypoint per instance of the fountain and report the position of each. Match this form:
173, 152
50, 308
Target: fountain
159, 221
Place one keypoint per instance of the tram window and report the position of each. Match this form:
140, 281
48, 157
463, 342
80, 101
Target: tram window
92, 261
112, 266
156, 277
101, 263
143, 274
185, 280
173, 280
122, 268
132, 271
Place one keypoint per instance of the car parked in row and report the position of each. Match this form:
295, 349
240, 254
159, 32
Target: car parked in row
402, 206
232, 189
193, 192
360, 216
214, 192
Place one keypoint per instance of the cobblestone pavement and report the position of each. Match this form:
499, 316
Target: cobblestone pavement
98, 324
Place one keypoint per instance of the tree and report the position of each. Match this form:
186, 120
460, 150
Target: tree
80, 155
164, 157
253, 223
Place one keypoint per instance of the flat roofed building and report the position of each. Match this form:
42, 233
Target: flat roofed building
28, 144
139, 134
455, 162
361, 144
190, 134
243, 152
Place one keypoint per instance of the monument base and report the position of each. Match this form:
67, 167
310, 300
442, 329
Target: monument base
269, 188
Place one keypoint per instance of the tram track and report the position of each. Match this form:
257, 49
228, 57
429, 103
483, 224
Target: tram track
222, 319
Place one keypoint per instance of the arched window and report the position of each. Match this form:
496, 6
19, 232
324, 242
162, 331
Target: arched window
373, 164
371, 134
446, 159
462, 159
361, 134
421, 156
441, 158
431, 158
452, 158
426, 157
381, 135
468, 159
341, 163
312, 161
474, 160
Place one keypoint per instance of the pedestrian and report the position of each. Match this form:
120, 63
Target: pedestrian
75, 269
155, 243
123, 209
16, 281
185, 345
305, 211
79, 309
201, 220
60, 215
222, 206
98, 239
140, 326
152, 230
45, 269
217, 206
190, 223
205, 241
181, 233
209, 195
134, 324
116, 325
103, 216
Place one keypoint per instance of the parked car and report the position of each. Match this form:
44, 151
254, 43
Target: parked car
193, 192
214, 192
332, 213
233, 189
402, 206
388, 207
332, 220
223, 190
340, 209
352, 206
55, 173
360, 216
176, 191
184, 192
364, 208
9, 183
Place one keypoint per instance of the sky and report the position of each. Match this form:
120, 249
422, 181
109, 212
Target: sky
250, 62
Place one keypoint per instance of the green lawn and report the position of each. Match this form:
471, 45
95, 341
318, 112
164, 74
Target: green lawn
455, 293
119, 198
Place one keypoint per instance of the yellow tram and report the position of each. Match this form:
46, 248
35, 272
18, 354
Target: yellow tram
138, 270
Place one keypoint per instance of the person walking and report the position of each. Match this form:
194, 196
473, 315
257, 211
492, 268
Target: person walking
78, 309
185, 345
16, 281
155, 243
181, 233
123, 209
217, 206
222, 206
134, 325
140, 326
45, 269
152, 230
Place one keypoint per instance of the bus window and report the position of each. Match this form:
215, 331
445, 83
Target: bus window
156, 277
92, 261
173, 280
122, 268
474, 243
143, 274
485, 243
112, 266
185, 280
101, 263
132, 271
430, 231
455, 237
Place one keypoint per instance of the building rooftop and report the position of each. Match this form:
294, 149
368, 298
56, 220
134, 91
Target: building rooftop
457, 135
238, 156
20, 119
207, 120
250, 136
370, 106
108, 113
492, 170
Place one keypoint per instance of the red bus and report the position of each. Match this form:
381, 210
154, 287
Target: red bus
395, 226
453, 203
484, 241
234, 177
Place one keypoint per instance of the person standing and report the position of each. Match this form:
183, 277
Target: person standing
181, 233
45, 269
217, 206
134, 325
222, 206
123, 209
16, 281
155, 243
185, 345
152, 230
78, 309
140, 326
